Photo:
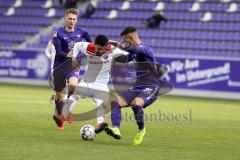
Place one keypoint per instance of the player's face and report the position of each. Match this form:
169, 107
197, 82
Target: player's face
70, 20
99, 50
129, 38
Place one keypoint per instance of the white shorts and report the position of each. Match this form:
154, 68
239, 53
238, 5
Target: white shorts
98, 91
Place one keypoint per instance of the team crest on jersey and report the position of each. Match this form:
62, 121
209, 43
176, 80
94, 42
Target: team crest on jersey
71, 45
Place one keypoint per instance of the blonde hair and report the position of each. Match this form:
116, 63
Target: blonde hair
71, 11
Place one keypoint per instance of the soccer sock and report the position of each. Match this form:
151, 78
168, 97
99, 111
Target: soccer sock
139, 116
115, 114
59, 106
100, 114
70, 104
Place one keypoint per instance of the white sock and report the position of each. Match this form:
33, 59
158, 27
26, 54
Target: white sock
69, 105
100, 114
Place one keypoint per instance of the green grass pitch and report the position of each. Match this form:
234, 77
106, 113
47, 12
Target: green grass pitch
202, 129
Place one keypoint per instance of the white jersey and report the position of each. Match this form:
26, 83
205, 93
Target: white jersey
98, 68
50, 53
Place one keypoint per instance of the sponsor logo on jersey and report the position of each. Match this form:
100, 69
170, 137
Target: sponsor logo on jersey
148, 90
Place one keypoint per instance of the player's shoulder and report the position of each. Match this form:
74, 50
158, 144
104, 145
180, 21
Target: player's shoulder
90, 48
144, 45
57, 31
147, 49
81, 30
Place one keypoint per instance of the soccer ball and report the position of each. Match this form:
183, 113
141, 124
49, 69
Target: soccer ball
87, 132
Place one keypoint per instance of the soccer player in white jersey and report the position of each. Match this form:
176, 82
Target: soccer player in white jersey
50, 53
99, 58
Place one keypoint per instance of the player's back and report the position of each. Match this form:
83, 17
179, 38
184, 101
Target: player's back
145, 65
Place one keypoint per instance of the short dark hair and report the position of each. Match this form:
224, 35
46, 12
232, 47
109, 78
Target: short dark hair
71, 11
101, 40
127, 30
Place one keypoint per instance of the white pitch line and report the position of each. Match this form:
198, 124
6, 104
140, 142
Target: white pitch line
25, 101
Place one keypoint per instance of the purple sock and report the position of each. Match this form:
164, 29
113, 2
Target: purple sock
139, 116
59, 106
115, 114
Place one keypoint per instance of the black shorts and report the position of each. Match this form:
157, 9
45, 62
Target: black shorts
61, 75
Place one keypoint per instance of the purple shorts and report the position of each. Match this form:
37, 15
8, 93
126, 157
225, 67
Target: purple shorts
147, 93
62, 75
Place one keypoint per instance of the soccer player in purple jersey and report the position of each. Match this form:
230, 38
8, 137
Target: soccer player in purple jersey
64, 39
145, 90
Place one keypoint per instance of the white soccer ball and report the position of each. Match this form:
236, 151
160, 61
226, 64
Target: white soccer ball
87, 132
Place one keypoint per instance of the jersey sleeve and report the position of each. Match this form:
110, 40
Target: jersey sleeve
118, 52
80, 48
57, 45
134, 49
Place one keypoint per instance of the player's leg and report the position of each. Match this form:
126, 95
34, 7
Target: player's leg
121, 101
59, 105
100, 95
72, 79
59, 85
137, 107
59, 79
51, 85
81, 91
69, 105
116, 106
101, 124
145, 98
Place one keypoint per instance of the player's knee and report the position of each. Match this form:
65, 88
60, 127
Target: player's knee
121, 101
138, 101
73, 81
59, 96
72, 88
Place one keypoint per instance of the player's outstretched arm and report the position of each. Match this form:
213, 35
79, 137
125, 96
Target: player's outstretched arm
131, 48
78, 53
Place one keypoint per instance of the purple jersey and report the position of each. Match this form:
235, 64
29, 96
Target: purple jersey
64, 42
145, 64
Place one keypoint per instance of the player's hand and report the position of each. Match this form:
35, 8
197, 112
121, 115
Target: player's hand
114, 43
70, 54
75, 64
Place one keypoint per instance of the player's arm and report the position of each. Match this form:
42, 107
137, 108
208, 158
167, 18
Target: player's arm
121, 56
57, 45
132, 49
124, 56
78, 53
48, 50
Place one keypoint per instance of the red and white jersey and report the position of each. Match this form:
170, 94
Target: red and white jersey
98, 68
